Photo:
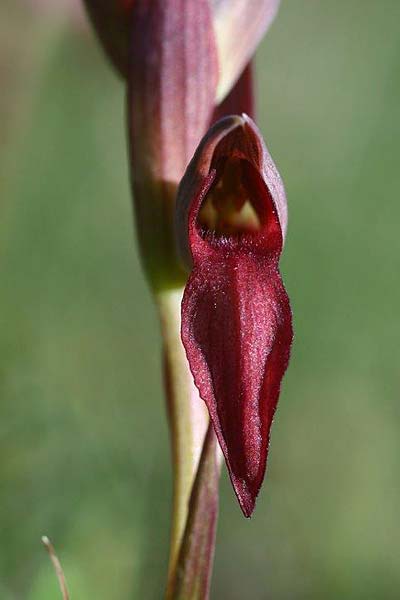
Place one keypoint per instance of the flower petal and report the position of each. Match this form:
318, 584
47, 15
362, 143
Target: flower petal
239, 27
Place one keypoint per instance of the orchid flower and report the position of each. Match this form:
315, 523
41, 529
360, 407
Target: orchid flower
236, 321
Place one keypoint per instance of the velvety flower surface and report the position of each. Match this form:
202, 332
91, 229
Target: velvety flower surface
236, 319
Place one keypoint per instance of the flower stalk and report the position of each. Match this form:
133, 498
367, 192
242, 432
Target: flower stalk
187, 416
192, 575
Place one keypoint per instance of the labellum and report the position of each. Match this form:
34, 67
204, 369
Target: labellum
236, 319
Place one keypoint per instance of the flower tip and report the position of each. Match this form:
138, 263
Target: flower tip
247, 500
236, 120
248, 122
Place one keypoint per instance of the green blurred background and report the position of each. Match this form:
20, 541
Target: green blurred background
84, 454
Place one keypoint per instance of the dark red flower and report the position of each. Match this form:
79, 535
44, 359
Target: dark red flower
236, 318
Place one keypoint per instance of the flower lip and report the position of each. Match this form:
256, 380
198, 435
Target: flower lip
236, 318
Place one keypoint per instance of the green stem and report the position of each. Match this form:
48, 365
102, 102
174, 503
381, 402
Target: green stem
195, 563
188, 419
